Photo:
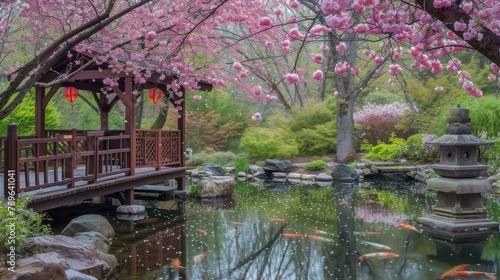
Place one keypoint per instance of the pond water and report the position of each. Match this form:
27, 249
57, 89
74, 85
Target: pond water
297, 232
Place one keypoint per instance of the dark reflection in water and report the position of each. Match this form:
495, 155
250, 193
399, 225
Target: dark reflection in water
299, 232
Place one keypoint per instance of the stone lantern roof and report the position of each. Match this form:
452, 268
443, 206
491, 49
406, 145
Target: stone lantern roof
459, 147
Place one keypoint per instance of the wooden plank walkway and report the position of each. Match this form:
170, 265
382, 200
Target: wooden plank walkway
154, 192
57, 196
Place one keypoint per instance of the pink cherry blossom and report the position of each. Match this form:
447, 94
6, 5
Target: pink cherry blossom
150, 36
292, 78
265, 22
491, 78
197, 98
394, 69
244, 74
439, 89
378, 60
438, 4
334, 6
342, 21
269, 44
361, 28
318, 58
295, 5
459, 26
324, 48
256, 117
336, 94
271, 98
341, 47
257, 91
494, 67
237, 66
295, 34
318, 75
341, 67
317, 29
355, 70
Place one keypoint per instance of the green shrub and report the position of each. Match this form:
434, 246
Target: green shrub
316, 165
418, 149
268, 143
241, 164
27, 223
191, 189
318, 140
210, 157
310, 130
386, 152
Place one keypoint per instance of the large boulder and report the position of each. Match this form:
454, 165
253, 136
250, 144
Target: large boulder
91, 222
95, 239
257, 171
75, 275
274, 165
42, 266
344, 173
215, 186
215, 170
78, 256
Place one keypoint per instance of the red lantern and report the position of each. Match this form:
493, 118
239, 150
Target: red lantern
71, 93
155, 95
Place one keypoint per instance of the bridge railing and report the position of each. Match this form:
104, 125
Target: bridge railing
71, 156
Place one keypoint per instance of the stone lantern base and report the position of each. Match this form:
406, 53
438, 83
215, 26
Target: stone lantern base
458, 231
459, 213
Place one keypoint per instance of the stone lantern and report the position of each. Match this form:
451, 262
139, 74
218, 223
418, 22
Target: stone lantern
459, 213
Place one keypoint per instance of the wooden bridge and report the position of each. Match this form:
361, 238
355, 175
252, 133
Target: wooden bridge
77, 165
60, 167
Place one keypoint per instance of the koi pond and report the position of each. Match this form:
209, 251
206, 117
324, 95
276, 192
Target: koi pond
273, 231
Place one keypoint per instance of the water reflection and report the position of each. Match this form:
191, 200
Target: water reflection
248, 237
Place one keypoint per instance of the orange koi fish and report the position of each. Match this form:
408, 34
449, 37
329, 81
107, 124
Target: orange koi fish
201, 231
378, 255
315, 230
198, 257
277, 220
452, 270
408, 226
343, 202
366, 232
176, 263
292, 235
371, 201
473, 273
314, 237
375, 245
238, 223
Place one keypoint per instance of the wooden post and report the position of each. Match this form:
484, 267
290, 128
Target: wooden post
158, 140
181, 125
40, 127
130, 130
69, 163
11, 164
104, 112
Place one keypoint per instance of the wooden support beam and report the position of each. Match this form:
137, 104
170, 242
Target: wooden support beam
11, 164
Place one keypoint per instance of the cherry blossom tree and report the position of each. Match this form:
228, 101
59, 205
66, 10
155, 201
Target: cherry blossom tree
205, 39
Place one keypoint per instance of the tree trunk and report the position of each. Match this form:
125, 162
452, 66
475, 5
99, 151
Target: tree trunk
139, 110
161, 119
345, 132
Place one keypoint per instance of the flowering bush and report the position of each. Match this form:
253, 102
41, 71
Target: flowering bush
379, 121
